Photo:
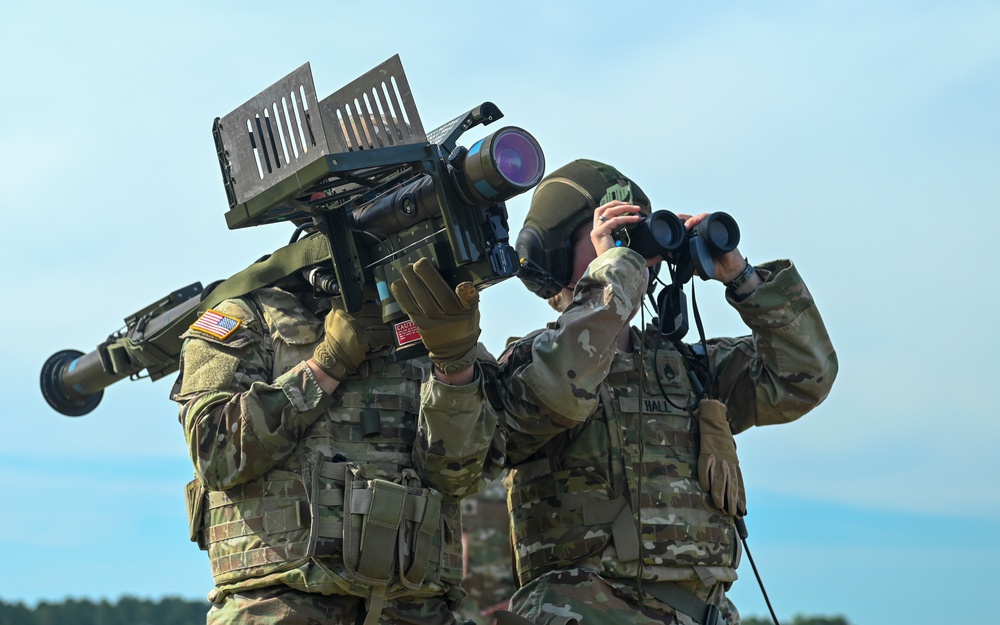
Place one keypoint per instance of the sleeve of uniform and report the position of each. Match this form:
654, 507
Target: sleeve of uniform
556, 386
238, 423
458, 450
788, 365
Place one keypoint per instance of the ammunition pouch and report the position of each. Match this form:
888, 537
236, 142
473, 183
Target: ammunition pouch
392, 527
378, 533
391, 530
194, 499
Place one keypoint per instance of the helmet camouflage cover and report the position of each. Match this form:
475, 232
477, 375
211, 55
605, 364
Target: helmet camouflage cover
563, 201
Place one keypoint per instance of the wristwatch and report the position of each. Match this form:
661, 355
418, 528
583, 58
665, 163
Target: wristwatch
743, 276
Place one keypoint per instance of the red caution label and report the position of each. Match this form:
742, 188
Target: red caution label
406, 333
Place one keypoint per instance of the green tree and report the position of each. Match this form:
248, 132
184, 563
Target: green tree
14, 614
127, 611
798, 619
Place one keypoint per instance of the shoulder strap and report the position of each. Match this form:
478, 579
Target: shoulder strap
283, 262
160, 349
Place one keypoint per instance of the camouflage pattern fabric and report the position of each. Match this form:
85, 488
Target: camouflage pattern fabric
582, 597
489, 577
280, 605
564, 365
288, 477
457, 455
604, 472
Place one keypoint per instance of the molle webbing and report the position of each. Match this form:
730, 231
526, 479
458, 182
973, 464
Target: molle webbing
378, 366
383, 410
614, 518
567, 511
290, 527
565, 519
680, 526
622, 475
285, 514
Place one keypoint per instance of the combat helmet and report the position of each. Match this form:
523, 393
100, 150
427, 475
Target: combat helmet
561, 202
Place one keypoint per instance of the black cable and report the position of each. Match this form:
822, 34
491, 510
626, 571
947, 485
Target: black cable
741, 528
710, 387
705, 365
298, 232
659, 338
642, 448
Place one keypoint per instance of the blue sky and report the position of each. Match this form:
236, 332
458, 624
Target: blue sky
861, 141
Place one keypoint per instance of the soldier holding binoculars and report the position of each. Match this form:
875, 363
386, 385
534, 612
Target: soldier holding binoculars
625, 491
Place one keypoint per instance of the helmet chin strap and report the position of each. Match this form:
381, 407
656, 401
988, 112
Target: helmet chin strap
531, 272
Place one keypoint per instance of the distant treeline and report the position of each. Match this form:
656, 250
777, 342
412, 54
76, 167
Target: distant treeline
127, 611
798, 619
174, 611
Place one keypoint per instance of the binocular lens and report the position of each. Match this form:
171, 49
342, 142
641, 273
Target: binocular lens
720, 232
666, 230
658, 234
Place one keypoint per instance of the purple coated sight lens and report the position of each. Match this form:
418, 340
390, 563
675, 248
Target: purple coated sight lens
502, 165
518, 158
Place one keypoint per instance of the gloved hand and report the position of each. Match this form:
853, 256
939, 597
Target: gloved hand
447, 318
718, 467
349, 336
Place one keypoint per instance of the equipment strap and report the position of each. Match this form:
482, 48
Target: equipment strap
625, 530
283, 262
333, 470
376, 603
680, 599
619, 514
125, 353
429, 520
505, 617
388, 505
160, 350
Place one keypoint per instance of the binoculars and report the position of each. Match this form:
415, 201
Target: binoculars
662, 233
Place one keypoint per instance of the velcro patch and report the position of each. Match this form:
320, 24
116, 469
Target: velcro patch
216, 324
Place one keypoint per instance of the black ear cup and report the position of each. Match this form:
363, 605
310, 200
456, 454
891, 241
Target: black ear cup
531, 254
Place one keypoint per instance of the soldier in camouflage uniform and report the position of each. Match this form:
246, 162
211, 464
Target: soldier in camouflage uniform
327, 474
489, 577
625, 485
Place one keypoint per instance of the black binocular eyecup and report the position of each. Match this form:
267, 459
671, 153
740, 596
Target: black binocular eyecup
657, 234
662, 233
719, 232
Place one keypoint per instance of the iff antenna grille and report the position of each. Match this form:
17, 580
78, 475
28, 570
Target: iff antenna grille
270, 137
274, 148
376, 110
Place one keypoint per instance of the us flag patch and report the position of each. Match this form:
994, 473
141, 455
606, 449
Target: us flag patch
217, 324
